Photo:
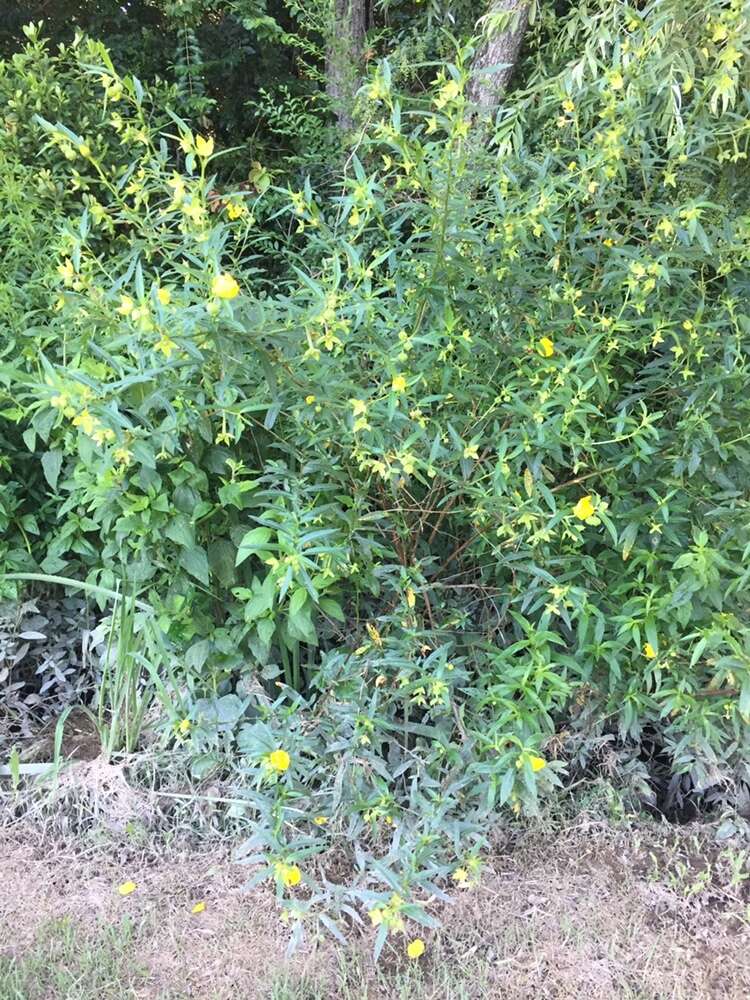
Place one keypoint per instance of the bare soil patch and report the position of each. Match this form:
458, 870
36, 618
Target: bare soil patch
593, 911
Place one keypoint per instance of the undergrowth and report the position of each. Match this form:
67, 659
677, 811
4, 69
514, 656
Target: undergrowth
430, 488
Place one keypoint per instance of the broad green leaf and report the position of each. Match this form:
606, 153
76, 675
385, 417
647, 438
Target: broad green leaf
253, 542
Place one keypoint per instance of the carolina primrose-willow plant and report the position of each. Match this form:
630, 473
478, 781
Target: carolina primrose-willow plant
442, 480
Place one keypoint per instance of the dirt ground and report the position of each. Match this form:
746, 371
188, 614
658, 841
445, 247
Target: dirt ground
593, 911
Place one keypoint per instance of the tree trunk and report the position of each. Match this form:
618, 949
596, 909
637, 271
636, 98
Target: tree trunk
502, 46
344, 56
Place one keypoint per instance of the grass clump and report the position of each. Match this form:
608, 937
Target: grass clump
69, 965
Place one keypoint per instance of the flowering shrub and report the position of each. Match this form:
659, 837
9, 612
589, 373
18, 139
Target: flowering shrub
435, 483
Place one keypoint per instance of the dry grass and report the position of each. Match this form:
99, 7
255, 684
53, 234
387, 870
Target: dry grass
592, 911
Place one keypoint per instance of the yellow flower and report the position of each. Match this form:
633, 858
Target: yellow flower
377, 90
448, 92
164, 296
415, 948
411, 598
166, 345
320, 820
235, 209
310, 399
59, 402
85, 421
398, 384
665, 226
126, 305
204, 147
546, 347
649, 652
388, 914
568, 106
584, 509
199, 907
184, 726
122, 456
279, 760
471, 451
178, 186
126, 888
359, 407
225, 287
290, 875
616, 81
537, 763
113, 88
354, 217
102, 434
66, 270
84, 149
374, 634
461, 876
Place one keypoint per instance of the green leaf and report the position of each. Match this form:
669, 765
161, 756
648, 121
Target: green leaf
507, 785
380, 939
195, 562
205, 764
300, 626
197, 654
51, 466
221, 555
332, 608
627, 539
254, 541
297, 601
262, 600
144, 453
744, 703
266, 628
180, 531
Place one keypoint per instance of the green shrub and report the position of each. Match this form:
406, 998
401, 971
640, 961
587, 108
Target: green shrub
454, 485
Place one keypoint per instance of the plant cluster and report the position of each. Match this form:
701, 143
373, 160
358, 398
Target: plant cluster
45, 659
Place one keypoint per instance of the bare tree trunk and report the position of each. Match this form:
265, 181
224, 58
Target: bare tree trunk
344, 56
507, 22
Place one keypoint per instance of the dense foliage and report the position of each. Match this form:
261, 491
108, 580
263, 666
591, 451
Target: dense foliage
434, 473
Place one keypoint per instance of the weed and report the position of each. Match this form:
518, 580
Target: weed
68, 965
